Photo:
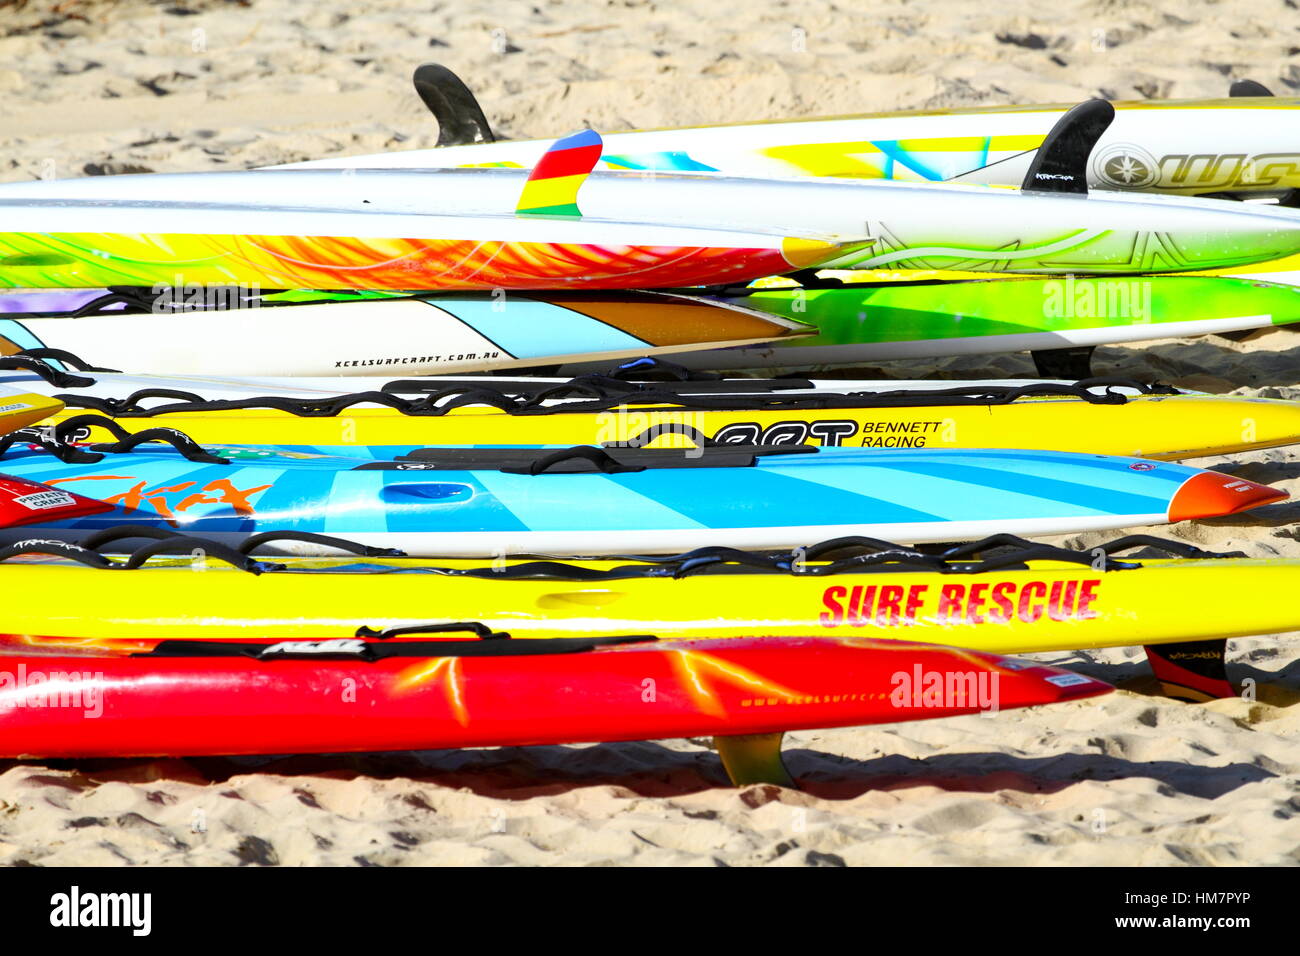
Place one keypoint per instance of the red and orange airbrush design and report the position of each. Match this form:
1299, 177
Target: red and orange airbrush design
81, 260
473, 253
67, 697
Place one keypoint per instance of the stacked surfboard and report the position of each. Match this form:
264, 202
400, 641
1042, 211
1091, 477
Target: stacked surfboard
295, 385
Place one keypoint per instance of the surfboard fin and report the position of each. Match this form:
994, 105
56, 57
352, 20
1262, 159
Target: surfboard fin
1191, 670
552, 187
753, 758
1248, 88
1073, 362
460, 119
1061, 164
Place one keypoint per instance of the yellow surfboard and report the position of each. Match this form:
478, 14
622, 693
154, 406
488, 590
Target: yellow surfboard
1167, 427
1044, 605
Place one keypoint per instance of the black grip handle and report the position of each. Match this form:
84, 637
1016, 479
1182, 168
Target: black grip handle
473, 627
603, 460
28, 363
67, 358
253, 542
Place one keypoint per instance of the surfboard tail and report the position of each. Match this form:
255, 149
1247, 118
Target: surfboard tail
1191, 670
552, 187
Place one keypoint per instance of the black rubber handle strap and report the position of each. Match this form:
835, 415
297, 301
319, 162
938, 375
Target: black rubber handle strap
657, 397
556, 570
133, 400
197, 549
354, 650
1047, 390
125, 407
974, 548
56, 549
417, 386
253, 542
666, 428
189, 449
38, 436
474, 627
129, 407
67, 358
1155, 388
26, 363
590, 386
739, 559
648, 369
66, 429
1018, 560
606, 383
183, 443
124, 532
135, 298
602, 459
880, 561
462, 398
856, 543
1179, 549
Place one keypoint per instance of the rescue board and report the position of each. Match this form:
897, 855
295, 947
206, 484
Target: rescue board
157, 698
593, 500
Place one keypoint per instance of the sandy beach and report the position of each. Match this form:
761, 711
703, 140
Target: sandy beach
1132, 779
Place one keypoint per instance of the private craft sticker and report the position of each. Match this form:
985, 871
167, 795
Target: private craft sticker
43, 500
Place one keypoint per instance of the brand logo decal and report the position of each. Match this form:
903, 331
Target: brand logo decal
1126, 166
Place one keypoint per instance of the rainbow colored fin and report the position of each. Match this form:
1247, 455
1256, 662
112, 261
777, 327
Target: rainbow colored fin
552, 187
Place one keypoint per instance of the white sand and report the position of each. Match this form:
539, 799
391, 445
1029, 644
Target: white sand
1130, 779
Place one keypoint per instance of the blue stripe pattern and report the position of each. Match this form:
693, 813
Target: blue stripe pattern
834, 486
527, 328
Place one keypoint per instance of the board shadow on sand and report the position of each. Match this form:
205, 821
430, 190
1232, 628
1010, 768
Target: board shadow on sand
646, 769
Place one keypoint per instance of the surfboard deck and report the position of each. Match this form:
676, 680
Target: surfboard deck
435, 694
1001, 595
869, 322
1158, 426
400, 335
393, 229
587, 500
335, 414
1071, 600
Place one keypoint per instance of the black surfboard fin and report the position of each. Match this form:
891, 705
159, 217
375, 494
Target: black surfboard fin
1290, 198
1191, 670
1061, 164
1073, 362
1248, 88
460, 119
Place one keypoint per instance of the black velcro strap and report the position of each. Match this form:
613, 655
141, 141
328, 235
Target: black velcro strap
357, 649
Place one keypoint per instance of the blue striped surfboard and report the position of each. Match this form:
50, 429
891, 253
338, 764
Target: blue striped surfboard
773, 500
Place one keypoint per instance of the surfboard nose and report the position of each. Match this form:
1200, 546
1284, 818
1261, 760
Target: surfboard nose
1211, 495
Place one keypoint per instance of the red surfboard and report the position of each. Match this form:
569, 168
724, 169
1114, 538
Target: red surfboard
61, 697
28, 502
